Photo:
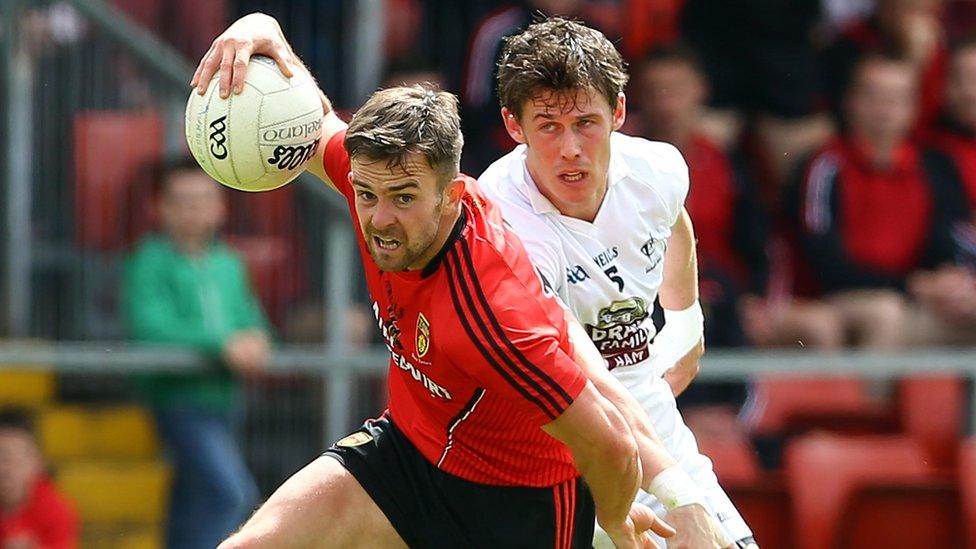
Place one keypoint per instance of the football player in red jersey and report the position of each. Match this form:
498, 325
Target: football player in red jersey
491, 419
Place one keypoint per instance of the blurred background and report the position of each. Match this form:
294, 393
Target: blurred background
832, 152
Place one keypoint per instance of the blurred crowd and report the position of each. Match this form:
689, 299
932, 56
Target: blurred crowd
832, 154
831, 145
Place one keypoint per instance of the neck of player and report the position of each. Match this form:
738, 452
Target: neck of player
448, 220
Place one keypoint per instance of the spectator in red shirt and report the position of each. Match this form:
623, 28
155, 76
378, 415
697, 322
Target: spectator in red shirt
33, 515
872, 208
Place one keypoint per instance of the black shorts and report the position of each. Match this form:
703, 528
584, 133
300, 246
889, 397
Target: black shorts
431, 508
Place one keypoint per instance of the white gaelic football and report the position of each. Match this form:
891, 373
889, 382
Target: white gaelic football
261, 138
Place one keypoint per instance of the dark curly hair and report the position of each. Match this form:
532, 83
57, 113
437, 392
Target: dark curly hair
557, 55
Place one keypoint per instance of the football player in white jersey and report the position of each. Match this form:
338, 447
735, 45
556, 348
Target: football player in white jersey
602, 217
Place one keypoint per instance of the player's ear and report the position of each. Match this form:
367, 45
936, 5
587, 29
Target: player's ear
455, 189
620, 111
512, 125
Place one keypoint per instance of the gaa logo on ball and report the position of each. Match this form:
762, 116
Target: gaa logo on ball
260, 139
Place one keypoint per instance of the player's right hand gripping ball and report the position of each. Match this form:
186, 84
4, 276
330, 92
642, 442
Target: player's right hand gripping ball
260, 139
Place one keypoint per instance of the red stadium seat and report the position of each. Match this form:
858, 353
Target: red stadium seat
967, 484
932, 410
825, 472
911, 514
733, 460
275, 275
788, 404
767, 508
762, 499
110, 148
268, 214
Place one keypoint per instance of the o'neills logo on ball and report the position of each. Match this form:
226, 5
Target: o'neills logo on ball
291, 132
289, 158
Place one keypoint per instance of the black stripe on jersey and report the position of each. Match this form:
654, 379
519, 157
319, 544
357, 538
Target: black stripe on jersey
462, 415
475, 397
456, 284
546, 378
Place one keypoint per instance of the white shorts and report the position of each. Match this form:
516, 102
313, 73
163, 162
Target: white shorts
655, 396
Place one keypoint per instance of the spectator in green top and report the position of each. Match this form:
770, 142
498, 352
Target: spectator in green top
185, 287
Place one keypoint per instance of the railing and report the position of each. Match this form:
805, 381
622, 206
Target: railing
337, 366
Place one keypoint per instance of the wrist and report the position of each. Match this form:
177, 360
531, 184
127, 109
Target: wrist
674, 488
683, 329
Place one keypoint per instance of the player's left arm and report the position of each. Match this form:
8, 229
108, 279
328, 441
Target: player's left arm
681, 343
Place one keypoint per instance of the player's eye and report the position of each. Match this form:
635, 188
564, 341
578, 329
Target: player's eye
404, 199
548, 127
585, 123
366, 196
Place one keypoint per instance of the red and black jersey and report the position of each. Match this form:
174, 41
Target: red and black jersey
863, 226
480, 356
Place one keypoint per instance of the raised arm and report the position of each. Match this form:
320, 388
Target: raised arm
260, 34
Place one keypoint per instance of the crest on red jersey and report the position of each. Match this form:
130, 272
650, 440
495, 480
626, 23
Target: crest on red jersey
423, 335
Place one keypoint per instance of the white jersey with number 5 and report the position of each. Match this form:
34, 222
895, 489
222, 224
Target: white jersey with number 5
608, 273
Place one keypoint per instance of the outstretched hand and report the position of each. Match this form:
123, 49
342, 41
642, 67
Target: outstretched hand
254, 34
636, 531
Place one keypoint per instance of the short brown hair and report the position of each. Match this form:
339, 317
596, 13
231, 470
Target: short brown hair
559, 55
397, 122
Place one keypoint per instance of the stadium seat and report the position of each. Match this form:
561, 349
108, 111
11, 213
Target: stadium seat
929, 511
113, 493
932, 410
268, 214
767, 508
733, 460
74, 432
110, 150
787, 404
967, 485
825, 472
26, 388
271, 266
124, 536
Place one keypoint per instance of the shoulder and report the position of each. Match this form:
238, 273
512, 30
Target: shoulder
493, 255
655, 167
497, 180
51, 502
152, 249
649, 158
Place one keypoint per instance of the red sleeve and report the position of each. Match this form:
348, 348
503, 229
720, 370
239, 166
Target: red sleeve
336, 163
512, 337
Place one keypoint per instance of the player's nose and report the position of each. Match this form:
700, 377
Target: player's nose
384, 216
569, 147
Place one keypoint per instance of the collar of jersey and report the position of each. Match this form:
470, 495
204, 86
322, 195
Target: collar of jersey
540, 204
